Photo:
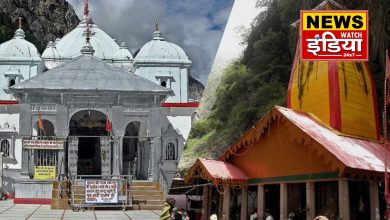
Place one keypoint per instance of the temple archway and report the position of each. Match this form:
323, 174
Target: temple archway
89, 143
46, 131
134, 149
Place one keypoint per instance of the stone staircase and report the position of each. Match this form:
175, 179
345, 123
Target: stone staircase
147, 195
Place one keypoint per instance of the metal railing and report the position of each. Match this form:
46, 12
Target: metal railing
88, 191
163, 183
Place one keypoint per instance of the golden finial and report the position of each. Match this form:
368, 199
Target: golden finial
88, 33
20, 22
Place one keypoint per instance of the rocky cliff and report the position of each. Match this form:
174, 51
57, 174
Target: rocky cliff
43, 20
195, 89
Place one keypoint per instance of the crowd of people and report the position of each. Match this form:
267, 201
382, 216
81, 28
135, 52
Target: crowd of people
170, 212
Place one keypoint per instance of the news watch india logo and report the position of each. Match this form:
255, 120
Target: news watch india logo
334, 35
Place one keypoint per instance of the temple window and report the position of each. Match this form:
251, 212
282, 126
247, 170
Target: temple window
13, 77
4, 147
170, 153
11, 82
165, 80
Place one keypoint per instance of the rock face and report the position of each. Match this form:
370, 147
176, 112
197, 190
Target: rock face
42, 20
195, 89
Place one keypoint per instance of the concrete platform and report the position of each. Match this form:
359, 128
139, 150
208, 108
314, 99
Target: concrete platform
10, 211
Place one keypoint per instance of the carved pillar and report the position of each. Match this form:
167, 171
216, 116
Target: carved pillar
226, 204
344, 199
374, 200
244, 202
25, 122
260, 201
25, 162
310, 202
31, 162
153, 159
283, 201
154, 135
105, 155
206, 202
61, 128
61, 162
25, 132
117, 156
73, 148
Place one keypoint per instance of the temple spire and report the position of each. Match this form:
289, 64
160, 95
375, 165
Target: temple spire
157, 34
19, 33
87, 49
20, 22
86, 8
156, 27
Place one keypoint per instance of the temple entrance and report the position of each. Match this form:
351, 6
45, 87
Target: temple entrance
89, 146
135, 151
89, 162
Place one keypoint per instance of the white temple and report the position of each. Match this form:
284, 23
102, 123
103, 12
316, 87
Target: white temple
158, 61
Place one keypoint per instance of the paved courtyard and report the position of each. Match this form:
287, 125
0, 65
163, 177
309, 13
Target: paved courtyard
10, 211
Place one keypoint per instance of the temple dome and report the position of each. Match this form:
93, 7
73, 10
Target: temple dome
51, 51
18, 48
69, 46
123, 54
159, 50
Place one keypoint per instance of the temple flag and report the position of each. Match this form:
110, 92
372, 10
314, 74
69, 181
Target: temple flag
86, 8
40, 123
108, 125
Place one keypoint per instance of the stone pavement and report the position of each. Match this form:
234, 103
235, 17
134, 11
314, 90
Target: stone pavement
10, 211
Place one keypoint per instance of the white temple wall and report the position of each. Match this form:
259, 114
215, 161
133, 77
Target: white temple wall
27, 70
12, 121
176, 78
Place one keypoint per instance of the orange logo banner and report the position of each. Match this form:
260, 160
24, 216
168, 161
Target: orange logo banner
334, 35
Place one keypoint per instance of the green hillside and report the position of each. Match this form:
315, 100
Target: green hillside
259, 80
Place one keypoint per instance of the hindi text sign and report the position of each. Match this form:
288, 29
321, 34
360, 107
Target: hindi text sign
101, 191
43, 144
334, 35
44, 172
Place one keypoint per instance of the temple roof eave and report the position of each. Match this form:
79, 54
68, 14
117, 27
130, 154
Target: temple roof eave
87, 91
8, 59
165, 61
88, 73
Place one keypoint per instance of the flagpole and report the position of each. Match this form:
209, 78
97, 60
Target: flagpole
385, 97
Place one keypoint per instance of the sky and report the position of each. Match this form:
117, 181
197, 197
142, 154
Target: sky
195, 25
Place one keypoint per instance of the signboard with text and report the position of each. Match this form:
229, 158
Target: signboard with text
101, 191
43, 144
44, 172
334, 35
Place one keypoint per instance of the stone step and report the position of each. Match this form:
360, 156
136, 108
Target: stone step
147, 197
144, 183
146, 192
148, 188
148, 202
150, 207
